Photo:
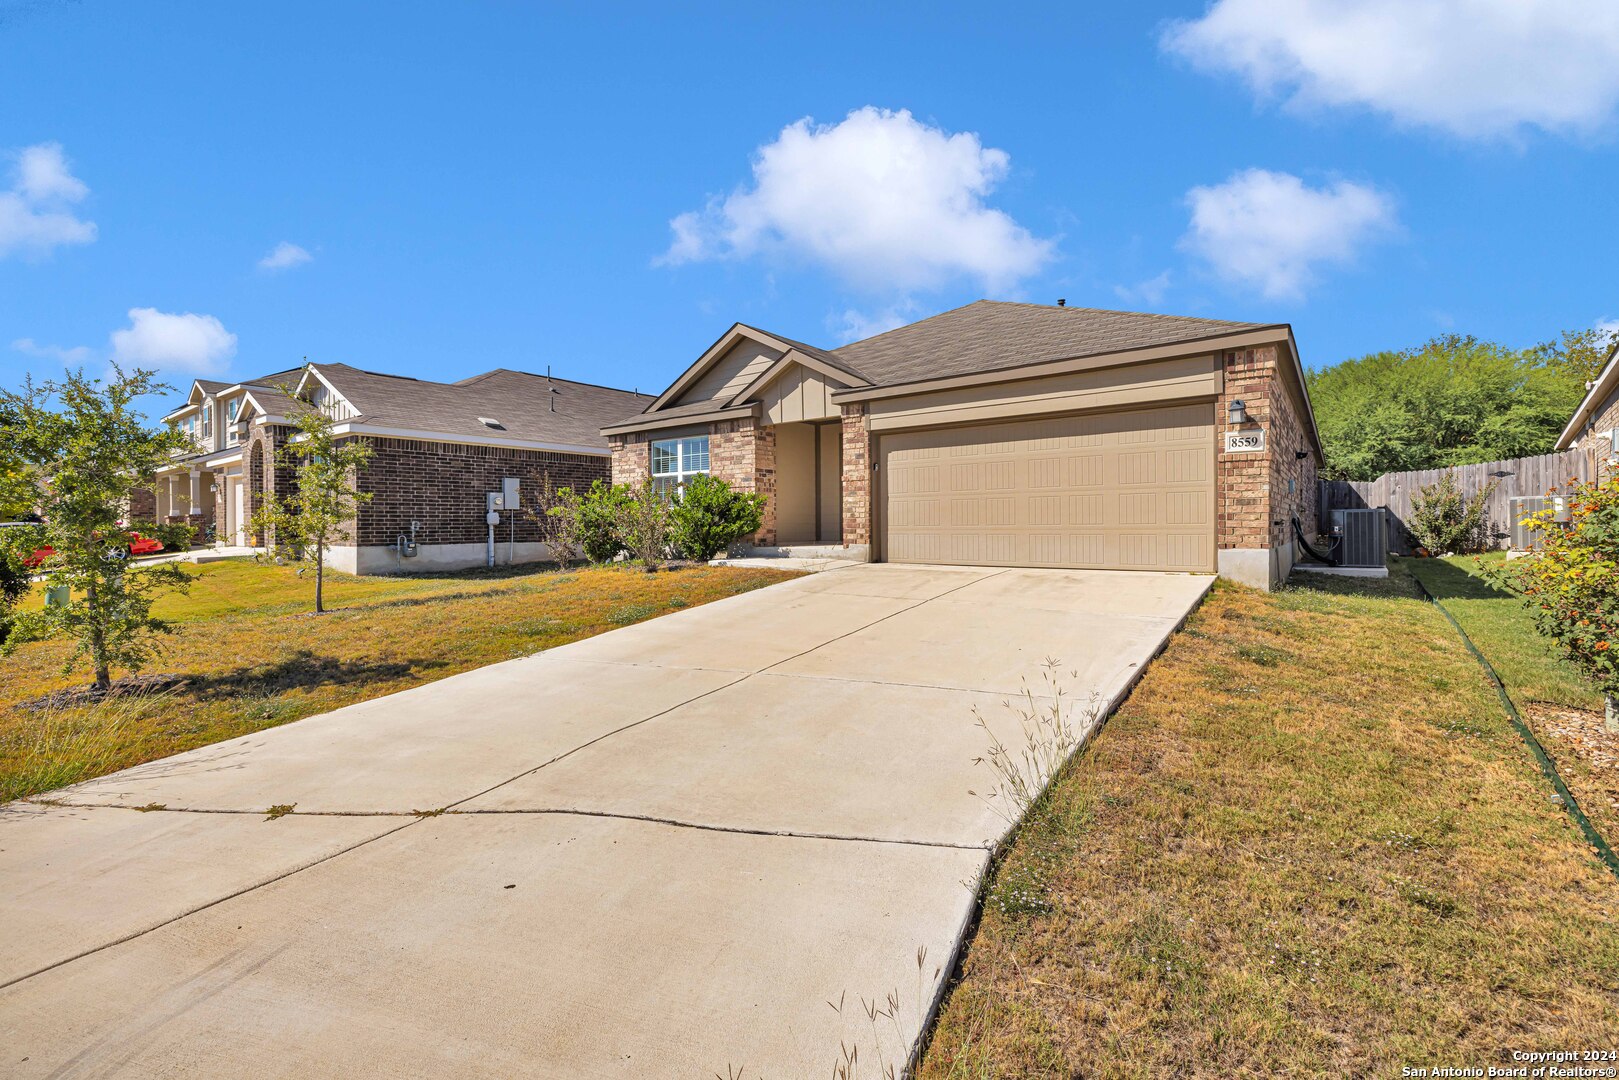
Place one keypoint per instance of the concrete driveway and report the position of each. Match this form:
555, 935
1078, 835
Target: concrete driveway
658, 852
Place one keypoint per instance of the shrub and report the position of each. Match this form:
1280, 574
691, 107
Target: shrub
585, 523
642, 515
175, 535
1572, 583
1445, 520
709, 516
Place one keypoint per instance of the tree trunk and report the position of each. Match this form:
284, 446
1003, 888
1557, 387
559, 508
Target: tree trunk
320, 575
98, 641
1611, 713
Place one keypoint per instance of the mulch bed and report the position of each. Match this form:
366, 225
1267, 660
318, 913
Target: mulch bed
1583, 733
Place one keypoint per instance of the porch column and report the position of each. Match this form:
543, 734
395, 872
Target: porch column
196, 492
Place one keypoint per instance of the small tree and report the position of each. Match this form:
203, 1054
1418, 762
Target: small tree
708, 516
1572, 583
84, 448
318, 511
643, 523
1445, 520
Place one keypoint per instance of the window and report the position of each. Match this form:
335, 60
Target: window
207, 421
231, 414
673, 460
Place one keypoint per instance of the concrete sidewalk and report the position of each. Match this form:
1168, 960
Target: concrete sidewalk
661, 851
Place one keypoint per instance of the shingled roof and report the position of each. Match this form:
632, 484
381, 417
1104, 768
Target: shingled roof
535, 408
990, 335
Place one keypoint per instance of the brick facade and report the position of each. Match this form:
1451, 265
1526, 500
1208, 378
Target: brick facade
741, 452
442, 487
632, 458
1253, 504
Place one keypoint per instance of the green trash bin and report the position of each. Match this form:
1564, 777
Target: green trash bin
56, 596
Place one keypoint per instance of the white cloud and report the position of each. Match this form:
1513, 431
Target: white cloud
1475, 68
193, 344
852, 325
285, 256
1269, 231
1152, 291
74, 356
36, 215
884, 201
1608, 326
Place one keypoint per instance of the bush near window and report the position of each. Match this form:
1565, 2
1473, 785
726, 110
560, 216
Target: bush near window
1573, 582
586, 522
1446, 521
708, 516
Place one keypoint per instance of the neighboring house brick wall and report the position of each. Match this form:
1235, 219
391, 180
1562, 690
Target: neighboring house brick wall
442, 487
142, 505
856, 476
1606, 418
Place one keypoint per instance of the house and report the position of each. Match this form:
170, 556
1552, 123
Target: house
1005, 434
1594, 427
438, 449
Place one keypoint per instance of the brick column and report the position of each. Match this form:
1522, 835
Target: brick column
856, 476
1242, 480
632, 458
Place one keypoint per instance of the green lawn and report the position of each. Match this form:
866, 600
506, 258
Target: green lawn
255, 657
1541, 684
1503, 629
1309, 844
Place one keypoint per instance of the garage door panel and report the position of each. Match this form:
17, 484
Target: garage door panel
1128, 490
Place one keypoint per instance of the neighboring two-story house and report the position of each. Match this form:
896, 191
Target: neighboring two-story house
1594, 427
438, 449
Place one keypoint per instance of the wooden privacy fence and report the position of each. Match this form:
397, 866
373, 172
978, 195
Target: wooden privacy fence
1519, 476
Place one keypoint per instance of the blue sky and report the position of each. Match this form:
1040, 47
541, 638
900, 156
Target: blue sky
479, 186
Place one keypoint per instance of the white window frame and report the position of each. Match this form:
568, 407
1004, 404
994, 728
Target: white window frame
688, 462
207, 422
232, 412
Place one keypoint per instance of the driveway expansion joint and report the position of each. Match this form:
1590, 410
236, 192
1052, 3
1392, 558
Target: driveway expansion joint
677, 823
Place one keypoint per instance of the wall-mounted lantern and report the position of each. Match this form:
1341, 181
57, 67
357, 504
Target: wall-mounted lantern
1238, 412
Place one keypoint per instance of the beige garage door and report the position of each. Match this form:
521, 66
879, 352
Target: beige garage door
1118, 491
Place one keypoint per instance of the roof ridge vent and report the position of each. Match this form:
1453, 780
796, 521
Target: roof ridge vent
491, 423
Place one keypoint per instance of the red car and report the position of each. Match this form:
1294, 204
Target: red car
138, 545
144, 545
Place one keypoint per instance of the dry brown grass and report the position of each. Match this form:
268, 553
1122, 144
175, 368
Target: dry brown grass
255, 658
1309, 844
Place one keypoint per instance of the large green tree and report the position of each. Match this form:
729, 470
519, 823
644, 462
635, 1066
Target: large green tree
84, 448
1454, 401
320, 509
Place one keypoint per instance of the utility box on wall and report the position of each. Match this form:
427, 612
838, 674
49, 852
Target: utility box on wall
509, 493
